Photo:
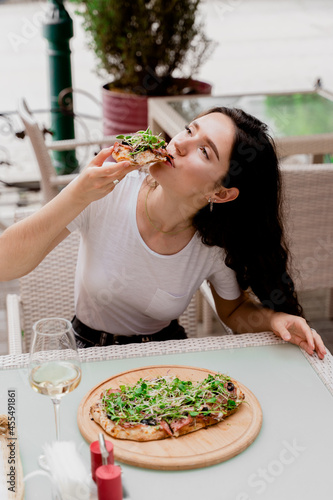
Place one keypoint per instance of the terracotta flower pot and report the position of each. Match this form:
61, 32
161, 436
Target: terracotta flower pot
125, 113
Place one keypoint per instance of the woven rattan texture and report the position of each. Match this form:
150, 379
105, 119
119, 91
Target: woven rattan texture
48, 291
189, 319
324, 368
308, 209
42, 155
50, 181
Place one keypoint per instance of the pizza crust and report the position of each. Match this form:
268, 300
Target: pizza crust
144, 432
138, 432
121, 152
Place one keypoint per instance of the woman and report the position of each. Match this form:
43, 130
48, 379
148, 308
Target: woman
148, 241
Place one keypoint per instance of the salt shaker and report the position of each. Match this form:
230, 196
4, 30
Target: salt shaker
96, 454
108, 478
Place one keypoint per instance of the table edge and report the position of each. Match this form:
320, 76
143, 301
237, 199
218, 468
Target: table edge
323, 368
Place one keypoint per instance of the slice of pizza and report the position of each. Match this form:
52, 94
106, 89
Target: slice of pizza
166, 407
141, 149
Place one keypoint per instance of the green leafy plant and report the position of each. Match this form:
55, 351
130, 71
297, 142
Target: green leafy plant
142, 43
142, 140
168, 398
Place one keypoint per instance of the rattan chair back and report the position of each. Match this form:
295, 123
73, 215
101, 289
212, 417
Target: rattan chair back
48, 291
308, 214
35, 134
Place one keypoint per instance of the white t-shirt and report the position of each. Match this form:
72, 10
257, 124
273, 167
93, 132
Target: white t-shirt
124, 287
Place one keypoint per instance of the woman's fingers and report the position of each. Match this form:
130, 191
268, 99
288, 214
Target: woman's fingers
121, 168
106, 177
99, 179
284, 333
315, 344
100, 158
297, 331
319, 344
114, 179
303, 343
307, 333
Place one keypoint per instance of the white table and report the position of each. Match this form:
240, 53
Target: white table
290, 459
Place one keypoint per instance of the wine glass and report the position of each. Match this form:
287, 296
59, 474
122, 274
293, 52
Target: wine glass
54, 366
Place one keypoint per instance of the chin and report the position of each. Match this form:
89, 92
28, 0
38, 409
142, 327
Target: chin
156, 170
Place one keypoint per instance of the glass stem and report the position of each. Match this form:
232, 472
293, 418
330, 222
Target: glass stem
56, 404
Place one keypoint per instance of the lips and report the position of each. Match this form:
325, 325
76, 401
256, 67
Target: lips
170, 160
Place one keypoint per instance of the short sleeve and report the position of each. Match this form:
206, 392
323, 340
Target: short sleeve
81, 222
92, 213
223, 278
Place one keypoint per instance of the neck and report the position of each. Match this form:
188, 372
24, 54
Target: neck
155, 205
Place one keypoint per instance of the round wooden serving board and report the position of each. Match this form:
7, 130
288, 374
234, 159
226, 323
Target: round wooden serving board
202, 448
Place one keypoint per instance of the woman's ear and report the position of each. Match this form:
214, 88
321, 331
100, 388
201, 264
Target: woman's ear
226, 194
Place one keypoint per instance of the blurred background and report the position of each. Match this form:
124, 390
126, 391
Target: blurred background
259, 46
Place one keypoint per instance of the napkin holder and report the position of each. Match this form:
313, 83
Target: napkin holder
68, 472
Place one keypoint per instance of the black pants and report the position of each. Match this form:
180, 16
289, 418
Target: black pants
88, 337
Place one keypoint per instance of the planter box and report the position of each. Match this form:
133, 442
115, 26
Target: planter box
126, 113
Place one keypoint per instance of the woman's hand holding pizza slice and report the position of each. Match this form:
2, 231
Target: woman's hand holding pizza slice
100, 177
141, 148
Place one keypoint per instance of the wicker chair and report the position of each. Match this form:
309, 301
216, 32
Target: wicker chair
50, 181
49, 291
308, 212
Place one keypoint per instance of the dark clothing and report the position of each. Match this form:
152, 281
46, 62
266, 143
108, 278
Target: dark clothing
88, 337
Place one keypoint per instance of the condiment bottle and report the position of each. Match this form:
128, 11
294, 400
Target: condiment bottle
108, 479
96, 455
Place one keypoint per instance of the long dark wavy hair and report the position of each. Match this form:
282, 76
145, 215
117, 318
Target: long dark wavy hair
250, 228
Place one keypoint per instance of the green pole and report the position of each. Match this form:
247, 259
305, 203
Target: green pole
58, 30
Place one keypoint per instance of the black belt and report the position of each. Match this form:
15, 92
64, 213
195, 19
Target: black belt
88, 337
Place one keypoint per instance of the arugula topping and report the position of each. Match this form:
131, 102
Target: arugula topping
169, 398
142, 140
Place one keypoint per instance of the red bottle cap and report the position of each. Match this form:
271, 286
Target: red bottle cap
96, 456
108, 478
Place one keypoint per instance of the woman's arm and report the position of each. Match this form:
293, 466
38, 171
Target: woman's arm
25, 244
244, 315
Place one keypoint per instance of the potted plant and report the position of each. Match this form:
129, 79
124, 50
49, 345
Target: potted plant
142, 45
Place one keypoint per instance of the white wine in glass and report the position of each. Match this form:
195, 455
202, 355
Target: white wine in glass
54, 367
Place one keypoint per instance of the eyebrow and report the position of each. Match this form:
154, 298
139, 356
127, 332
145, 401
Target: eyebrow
208, 140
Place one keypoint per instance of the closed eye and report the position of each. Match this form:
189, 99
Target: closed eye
202, 148
204, 151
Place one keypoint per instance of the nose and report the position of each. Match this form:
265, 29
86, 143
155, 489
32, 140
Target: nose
180, 147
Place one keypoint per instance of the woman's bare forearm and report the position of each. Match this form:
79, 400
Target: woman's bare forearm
25, 244
250, 317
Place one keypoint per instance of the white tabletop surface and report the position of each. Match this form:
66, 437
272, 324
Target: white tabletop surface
290, 459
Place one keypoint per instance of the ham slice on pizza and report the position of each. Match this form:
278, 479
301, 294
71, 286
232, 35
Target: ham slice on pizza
166, 407
141, 148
